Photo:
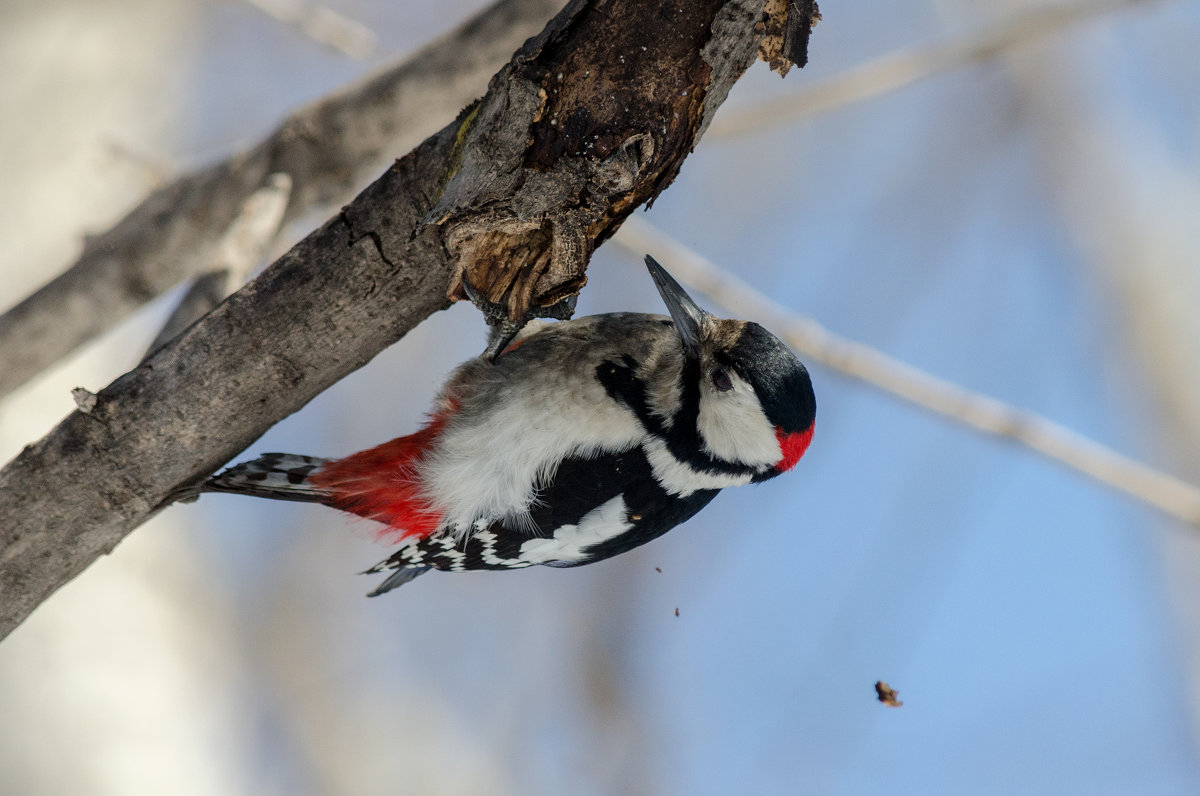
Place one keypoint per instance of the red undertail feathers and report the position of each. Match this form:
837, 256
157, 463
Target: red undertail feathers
383, 484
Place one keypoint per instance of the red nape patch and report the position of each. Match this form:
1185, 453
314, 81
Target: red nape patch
383, 484
793, 447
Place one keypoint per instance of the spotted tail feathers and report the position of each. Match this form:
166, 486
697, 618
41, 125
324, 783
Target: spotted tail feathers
280, 476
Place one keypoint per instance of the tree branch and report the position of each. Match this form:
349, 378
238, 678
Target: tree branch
329, 149
591, 118
240, 251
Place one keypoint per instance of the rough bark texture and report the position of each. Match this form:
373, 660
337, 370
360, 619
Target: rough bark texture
523, 175
589, 123
787, 25
329, 149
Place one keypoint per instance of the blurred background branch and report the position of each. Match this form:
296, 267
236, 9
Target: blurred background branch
323, 25
329, 149
899, 69
913, 385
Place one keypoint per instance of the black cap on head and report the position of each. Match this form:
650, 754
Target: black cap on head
779, 378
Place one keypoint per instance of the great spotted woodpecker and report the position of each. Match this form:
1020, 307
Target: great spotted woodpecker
581, 440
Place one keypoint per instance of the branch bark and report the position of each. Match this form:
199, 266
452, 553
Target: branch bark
329, 149
591, 118
241, 250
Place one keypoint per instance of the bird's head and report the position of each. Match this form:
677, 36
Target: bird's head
756, 405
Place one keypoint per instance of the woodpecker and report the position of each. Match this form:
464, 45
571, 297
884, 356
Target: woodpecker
578, 441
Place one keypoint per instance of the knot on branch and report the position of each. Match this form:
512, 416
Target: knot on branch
519, 228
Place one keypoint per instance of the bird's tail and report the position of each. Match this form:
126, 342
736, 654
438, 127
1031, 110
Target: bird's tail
281, 476
398, 578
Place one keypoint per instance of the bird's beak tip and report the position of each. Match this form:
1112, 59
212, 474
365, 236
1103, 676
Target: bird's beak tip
686, 313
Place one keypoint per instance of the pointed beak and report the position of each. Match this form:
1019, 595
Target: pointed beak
685, 312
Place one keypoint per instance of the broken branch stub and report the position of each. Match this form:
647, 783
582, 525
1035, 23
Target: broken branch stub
786, 27
590, 119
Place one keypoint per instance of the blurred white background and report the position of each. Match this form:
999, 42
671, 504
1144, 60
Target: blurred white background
1027, 225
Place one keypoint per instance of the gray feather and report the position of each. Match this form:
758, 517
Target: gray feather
398, 578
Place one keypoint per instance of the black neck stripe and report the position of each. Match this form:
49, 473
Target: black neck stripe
683, 437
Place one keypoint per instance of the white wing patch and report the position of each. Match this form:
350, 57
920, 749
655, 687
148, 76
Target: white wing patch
568, 542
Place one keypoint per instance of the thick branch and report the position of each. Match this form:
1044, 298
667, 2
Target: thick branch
329, 149
241, 251
383, 264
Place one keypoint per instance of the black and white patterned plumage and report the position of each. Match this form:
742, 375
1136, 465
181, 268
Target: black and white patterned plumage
593, 509
581, 440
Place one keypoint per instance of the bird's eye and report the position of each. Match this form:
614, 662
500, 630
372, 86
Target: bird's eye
721, 380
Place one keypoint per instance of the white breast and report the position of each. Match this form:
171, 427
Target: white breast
489, 465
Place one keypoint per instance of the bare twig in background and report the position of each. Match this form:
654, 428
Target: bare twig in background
381, 266
148, 171
899, 69
1146, 484
240, 251
323, 25
329, 149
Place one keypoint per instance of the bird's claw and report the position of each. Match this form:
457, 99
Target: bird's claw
502, 328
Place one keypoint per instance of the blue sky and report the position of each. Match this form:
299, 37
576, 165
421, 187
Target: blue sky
1023, 612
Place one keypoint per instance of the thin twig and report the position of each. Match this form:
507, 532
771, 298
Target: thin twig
239, 253
983, 413
323, 25
899, 69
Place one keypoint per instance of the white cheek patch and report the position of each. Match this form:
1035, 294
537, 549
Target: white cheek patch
568, 542
733, 426
680, 478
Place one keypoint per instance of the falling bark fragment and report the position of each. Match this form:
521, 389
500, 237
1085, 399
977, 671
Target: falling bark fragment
676, 612
786, 26
887, 695
658, 570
